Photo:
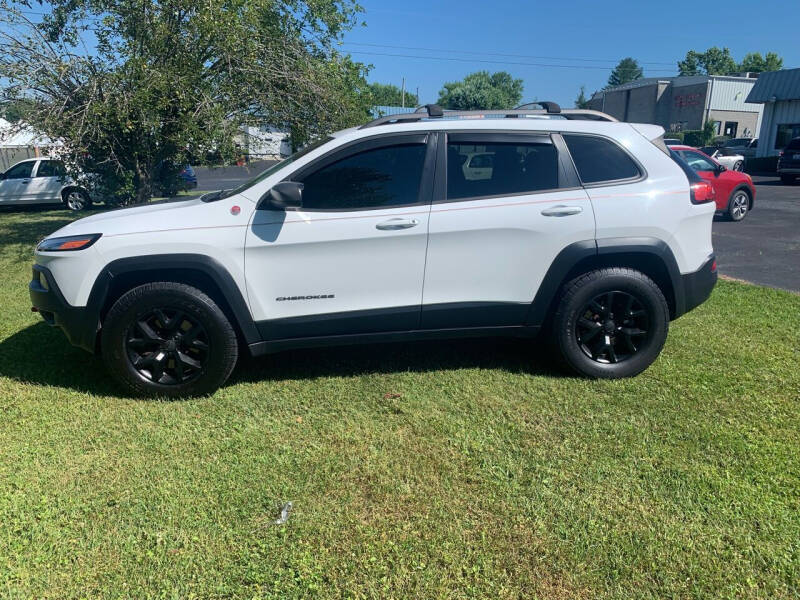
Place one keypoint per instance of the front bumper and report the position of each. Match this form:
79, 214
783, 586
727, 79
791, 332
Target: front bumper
697, 286
80, 324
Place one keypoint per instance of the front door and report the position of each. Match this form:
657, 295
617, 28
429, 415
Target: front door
492, 240
15, 182
351, 259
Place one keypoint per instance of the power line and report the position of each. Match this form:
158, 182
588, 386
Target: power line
498, 62
562, 58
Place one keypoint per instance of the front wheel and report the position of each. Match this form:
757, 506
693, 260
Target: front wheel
168, 339
738, 205
611, 323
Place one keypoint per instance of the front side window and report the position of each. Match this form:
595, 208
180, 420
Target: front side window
697, 161
383, 177
600, 160
500, 169
20, 171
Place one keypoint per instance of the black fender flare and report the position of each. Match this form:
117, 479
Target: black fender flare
569, 258
206, 265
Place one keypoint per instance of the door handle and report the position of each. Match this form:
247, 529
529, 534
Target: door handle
562, 211
25, 181
395, 224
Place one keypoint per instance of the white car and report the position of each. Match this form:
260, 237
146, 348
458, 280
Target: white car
478, 165
725, 156
587, 229
42, 181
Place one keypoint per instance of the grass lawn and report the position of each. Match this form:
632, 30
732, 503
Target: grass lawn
465, 469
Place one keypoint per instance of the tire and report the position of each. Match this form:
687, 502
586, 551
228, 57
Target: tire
787, 179
75, 199
738, 165
168, 339
738, 205
584, 323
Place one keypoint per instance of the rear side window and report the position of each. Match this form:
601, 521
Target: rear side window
501, 169
600, 160
50, 168
383, 177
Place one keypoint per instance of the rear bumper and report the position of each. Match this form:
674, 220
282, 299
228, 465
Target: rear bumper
789, 170
697, 286
79, 324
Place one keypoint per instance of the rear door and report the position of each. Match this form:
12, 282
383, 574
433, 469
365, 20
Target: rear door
492, 240
47, 181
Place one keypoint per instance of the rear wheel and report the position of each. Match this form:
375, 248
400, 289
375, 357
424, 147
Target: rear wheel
738, 205
75, 199
168, 339
611, 323
738, 165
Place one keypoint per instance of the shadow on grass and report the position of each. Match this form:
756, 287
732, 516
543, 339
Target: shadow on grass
40, 355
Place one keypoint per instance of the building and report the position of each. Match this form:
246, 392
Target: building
18, 142
685, 103
779, 93
264, 141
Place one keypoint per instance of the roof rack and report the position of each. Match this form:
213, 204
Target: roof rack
434, 111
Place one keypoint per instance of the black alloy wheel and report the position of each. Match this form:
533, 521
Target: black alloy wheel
612, 327
167, 346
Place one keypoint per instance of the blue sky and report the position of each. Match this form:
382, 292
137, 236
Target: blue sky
586, 38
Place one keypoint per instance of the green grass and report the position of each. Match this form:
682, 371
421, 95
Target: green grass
489, 475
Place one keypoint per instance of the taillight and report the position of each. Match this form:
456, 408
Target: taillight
781, 153
701, 192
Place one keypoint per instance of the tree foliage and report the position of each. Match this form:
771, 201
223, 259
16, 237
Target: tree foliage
718, 61
386, 94
482, 91
627, 70
167, 78
756, 63
582, 101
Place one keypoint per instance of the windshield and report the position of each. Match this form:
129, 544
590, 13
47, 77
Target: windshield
266, 173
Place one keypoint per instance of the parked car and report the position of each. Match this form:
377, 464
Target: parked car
725, 156
478, 165
175, 178
734, 190
744, 146
672, 141
42, 181
789, 162
586, 229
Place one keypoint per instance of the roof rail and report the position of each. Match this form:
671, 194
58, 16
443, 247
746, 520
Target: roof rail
550, 107
433, 111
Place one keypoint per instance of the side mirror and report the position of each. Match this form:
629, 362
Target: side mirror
721, 169
283, 196
2, 176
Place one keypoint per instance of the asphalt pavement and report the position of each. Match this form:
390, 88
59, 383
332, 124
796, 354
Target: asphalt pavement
764, 248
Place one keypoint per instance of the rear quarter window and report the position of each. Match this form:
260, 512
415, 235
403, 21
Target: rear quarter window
599, 160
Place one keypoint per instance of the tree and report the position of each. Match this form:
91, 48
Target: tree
582, 101
386, 94
756, 63
482, 91
714, 61
627, 69
175, 76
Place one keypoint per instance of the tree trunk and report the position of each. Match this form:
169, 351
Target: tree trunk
144, 184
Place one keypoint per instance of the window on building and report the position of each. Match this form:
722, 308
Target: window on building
598, 159
383, 177
731, 127
501, 169
786, 132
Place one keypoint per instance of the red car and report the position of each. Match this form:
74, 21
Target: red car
734, 190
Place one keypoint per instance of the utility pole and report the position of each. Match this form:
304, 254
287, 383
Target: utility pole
417, 94
404, 93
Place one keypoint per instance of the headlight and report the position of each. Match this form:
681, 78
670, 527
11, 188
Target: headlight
68, 243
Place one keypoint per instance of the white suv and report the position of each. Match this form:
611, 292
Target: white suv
586, 227
42, 181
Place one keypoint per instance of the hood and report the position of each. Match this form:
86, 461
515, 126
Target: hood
162, 216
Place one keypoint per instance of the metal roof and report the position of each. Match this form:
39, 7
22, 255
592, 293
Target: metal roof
777, 85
